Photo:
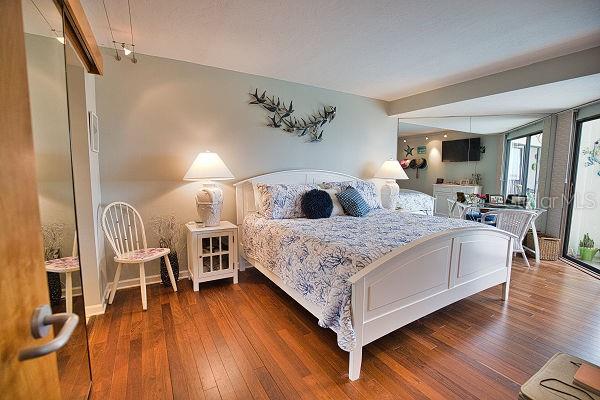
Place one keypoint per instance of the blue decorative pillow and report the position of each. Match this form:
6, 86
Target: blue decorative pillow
352, 202
316, 204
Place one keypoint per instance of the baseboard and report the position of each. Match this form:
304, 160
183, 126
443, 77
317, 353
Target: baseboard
99, 309
135, 282
95, 309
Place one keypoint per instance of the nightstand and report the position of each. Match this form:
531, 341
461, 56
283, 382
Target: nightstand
212, 252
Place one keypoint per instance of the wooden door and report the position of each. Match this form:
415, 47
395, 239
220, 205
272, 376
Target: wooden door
23, 284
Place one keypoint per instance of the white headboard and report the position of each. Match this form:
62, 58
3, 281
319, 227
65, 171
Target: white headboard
244, 190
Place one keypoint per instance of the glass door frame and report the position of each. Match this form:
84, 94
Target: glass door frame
571, 185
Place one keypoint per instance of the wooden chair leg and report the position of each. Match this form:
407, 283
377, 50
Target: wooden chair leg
171, 276
143, 286
69, 292
113, 290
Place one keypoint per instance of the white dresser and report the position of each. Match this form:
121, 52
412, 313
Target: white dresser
442, 192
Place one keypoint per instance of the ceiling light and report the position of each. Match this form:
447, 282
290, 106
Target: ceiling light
61, 39
445, 135
404, 140
125, 49
426, 138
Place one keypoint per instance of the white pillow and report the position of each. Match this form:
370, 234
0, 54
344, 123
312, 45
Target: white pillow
337, 207
367, 190
281, 201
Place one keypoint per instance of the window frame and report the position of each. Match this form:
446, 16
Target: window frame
574, 164
525, 163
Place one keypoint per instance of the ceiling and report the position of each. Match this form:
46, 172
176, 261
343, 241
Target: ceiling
394, 48
503, 111
43, 21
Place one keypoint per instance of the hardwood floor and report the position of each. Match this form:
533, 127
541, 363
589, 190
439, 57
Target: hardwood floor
252, 341
72, 359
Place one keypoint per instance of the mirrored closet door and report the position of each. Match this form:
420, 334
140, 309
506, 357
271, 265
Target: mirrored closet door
49, 101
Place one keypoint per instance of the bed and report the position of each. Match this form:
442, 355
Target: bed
366, 277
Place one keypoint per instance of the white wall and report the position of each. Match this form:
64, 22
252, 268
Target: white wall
81, 87
488, 166
156, 115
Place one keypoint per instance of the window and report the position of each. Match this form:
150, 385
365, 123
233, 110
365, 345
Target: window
521, 172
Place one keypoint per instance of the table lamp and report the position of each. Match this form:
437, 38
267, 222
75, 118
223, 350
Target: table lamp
390, 170
206, 168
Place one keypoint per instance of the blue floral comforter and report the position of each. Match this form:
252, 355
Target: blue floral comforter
316, 257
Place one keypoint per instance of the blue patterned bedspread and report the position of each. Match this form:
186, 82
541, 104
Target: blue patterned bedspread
316, 257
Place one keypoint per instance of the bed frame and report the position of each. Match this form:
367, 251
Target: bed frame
408, 283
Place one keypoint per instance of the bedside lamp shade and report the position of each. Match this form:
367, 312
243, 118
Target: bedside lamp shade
208, 167
209, 200
390, 170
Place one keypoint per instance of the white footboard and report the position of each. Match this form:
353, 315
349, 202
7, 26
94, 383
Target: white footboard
424, 276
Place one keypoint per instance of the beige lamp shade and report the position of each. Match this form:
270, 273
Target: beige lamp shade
208, 167
391, 170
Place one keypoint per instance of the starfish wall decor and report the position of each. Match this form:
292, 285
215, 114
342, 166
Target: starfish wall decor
408, 150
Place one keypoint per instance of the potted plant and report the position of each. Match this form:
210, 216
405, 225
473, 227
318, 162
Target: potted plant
587, 251
168, 232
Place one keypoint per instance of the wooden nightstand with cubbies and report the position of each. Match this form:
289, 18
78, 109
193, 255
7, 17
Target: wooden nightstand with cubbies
212, 252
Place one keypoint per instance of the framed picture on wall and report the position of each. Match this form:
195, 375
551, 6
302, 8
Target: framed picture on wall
94, 132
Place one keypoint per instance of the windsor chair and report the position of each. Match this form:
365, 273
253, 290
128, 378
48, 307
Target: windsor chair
66, 265
124, 230
516, 222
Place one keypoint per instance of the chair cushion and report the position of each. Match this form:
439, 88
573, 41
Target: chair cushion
65, 264
473, 216
142, 255
353, 203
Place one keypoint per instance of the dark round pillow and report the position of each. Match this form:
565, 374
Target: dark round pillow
316, 204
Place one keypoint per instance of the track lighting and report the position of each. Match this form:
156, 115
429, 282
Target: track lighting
445, 135
126, 50
426, 137
404, 140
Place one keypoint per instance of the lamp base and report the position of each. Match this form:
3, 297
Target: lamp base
209, 203
389, 195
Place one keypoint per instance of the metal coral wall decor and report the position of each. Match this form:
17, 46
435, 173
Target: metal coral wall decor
282, 117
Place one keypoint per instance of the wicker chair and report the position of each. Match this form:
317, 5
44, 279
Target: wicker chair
456, 209
516, 222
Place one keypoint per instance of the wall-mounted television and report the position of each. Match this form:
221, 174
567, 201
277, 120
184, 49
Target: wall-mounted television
461, 150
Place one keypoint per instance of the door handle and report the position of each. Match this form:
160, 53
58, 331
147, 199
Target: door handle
41, 321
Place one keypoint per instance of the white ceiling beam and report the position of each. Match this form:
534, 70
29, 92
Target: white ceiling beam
574, 65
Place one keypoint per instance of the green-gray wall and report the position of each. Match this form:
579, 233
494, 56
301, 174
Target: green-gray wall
156, 115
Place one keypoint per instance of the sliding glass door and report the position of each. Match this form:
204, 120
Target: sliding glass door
522, 167
583, 222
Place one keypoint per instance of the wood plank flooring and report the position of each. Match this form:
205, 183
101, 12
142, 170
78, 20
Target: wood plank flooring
253, 341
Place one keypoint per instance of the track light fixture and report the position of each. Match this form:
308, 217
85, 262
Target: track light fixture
126, 51
124, 48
